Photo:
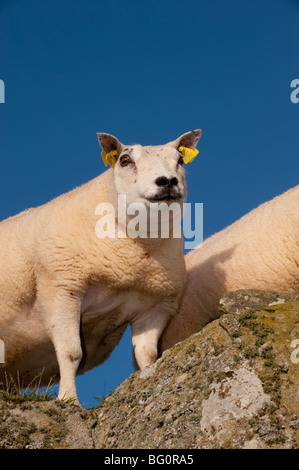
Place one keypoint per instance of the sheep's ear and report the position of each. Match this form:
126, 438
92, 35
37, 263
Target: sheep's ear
109, 143
188, 140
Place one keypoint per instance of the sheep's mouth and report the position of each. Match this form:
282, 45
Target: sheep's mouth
163, 199
165, 196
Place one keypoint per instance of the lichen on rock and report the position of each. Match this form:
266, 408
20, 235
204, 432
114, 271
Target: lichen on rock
232, 385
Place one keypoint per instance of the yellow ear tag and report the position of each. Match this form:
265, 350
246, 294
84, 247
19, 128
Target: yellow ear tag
189, 154
108, 158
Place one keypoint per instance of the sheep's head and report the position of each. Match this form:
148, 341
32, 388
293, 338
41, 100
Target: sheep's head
149, 174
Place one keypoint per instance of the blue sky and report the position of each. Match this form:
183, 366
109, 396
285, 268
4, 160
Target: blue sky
146, 72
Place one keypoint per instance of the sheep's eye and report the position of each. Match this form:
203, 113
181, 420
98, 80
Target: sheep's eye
125, 160
181, 160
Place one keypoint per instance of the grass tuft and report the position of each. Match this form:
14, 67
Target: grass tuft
13, 391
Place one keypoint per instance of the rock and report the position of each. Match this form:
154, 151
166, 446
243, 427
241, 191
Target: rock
44, 425
235, 384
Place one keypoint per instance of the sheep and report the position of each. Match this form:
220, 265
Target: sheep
66, 294
258, 251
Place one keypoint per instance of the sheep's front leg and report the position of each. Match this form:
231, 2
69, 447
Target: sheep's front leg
146, 331
61, 315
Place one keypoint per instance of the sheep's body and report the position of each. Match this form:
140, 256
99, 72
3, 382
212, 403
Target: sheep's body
77, 262
66, 296
259, 251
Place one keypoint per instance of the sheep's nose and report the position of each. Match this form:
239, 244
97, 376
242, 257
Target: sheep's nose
163, 181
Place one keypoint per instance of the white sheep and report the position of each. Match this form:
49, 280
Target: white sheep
258, 251
66, 295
